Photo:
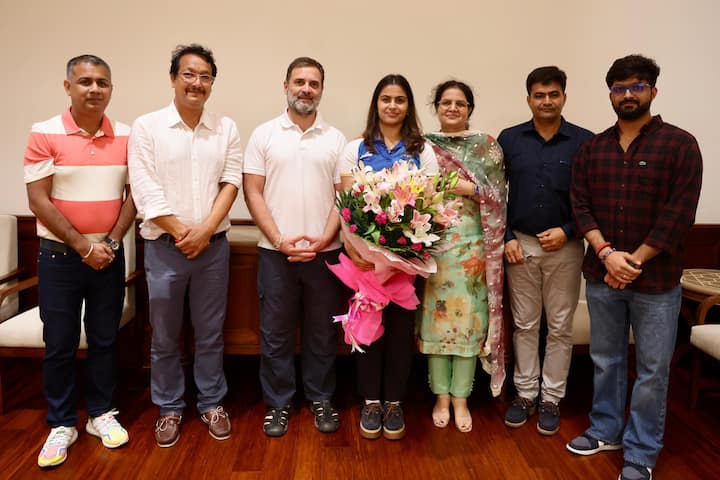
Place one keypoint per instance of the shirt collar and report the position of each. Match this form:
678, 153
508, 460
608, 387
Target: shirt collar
71, 128
564, 129
286, 122
174, 118
655, 123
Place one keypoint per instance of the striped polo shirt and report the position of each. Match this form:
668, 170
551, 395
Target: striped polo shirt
89, 172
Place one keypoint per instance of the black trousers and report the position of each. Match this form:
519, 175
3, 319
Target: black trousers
292, 293
385, 366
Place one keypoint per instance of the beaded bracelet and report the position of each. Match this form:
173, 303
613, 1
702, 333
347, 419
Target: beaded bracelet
278, 242
605, 255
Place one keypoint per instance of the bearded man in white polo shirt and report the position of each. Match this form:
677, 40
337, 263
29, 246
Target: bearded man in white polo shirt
289, 181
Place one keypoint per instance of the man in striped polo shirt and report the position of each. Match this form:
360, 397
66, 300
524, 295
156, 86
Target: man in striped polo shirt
75, 171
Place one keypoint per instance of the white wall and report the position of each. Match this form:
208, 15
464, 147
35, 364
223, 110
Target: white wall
491, 45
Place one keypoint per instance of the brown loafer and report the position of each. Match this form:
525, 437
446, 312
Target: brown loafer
218, 423
167, 430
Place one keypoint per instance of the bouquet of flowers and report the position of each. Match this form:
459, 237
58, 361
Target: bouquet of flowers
395, 218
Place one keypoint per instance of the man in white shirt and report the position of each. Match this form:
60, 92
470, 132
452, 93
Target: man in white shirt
185, 167
289, 183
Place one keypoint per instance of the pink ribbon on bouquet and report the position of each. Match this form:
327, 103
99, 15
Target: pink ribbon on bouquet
363, 321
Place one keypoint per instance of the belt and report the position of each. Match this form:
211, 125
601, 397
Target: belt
56, 246
170, 240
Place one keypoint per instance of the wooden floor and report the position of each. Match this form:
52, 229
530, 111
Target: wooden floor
490, 451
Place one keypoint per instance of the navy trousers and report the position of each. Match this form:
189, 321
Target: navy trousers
64, 283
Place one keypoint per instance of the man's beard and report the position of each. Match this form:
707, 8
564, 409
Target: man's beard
639, 111
300, 107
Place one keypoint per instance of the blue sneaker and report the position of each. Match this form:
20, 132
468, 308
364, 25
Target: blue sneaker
371, 420
393, 421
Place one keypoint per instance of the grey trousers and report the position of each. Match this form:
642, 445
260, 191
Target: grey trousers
205, 279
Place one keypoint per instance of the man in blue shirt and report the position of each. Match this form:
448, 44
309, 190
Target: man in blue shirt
543, 253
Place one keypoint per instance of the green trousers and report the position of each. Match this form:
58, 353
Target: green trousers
451, 374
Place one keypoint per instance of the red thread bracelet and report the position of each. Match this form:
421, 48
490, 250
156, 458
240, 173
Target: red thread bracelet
600, 248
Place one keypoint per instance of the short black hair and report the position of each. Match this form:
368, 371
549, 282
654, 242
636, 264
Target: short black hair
305, 62
546, 76
192, 49
635, 65
86, 58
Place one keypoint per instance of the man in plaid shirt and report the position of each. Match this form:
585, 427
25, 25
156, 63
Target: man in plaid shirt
634, 193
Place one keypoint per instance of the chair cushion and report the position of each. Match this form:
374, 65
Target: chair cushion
707, 339
26, 329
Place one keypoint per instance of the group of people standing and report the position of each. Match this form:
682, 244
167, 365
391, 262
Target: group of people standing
528, 200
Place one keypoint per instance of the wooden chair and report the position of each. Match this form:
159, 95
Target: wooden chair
21, 333
701, 286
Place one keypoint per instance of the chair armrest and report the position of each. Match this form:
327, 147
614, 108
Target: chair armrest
18, 287
703, 308
11, 275
32, 281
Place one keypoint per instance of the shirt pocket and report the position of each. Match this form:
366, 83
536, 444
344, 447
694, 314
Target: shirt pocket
561, 173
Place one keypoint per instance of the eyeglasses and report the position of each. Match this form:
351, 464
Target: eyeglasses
633, 87
449, 103
191, 77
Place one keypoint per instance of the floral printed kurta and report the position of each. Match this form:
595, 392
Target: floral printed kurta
462, 303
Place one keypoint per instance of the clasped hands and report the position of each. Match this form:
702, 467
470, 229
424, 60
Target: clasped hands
302, 248
622, 269
100, 256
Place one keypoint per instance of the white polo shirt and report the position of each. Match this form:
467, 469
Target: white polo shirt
300, 174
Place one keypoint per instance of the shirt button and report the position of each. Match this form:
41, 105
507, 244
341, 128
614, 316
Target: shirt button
622, 185
92, 152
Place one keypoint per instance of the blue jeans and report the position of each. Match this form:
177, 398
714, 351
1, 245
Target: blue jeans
654, 321
65, 282
170, 276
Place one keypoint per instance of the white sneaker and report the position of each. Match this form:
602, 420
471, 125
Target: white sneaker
108, 429
54, 451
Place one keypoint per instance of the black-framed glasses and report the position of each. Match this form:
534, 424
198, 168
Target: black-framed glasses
191, 77
633, 87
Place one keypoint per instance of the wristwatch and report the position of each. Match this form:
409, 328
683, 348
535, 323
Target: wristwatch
113, 244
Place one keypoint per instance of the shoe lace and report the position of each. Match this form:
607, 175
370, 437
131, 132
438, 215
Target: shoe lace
549, 407
59, 436
393, 410
164, 422
106, 422
216, 414
372, 409
523, 402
